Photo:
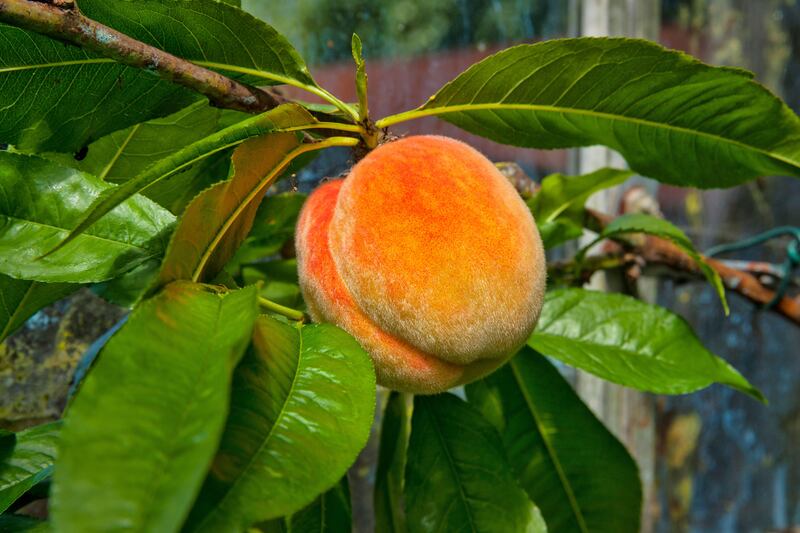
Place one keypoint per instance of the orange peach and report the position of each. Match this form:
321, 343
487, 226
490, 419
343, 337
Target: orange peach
427, 255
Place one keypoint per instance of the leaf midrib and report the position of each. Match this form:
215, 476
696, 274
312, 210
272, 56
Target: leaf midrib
266, 440
26, 468
72, 63
155, 482
20, 304
153, 174
260, 186
244, 204
424, 112
550, 450
453, 469
119, 152
582, 341
87, 234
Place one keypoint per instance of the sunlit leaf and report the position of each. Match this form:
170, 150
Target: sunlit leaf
561, 194
558, 232
176, 192
218, 220
301, 410
124, 154
286, 117
143, 428
329, 513
558, 205
41, 201
26, 461
629, 342
121, 155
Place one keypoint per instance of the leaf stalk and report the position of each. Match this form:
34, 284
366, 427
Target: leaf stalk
288, 312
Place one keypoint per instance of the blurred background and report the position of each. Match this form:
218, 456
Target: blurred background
714, 461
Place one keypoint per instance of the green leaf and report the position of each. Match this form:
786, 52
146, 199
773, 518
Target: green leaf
57, 98
558, 232
283, 118
389, 514
629, 342
581, 477
561, 194
301, 410
273, 227
221, 36
279, 281
19, 299
121, 155
672, 117
641, 223
218, 220
558, 206
276, 218
329, 513
129, 288
87, 360
143, 428
361, 77
457, 474
10, 523
27, 461
177, 191
41, 201
287, 117
60, 98
127, 153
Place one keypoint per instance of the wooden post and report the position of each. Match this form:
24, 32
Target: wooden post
629, 414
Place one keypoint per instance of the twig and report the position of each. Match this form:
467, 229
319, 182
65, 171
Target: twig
769, 274
657, 251
63, 20
650, 250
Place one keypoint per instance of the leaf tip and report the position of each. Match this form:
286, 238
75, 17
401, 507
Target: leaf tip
755, 393
356, 47
741, 384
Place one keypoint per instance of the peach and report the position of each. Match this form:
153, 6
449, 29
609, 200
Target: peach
427, 255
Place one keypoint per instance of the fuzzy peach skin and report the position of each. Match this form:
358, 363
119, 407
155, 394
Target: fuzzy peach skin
427, 255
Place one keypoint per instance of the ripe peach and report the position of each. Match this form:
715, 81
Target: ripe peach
427, 255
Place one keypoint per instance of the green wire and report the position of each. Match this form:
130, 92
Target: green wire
792, 254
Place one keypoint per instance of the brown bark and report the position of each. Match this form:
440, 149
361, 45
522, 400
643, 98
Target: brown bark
63, 20
657, 251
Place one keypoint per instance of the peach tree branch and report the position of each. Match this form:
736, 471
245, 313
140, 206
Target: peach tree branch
62, 20
653, 251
